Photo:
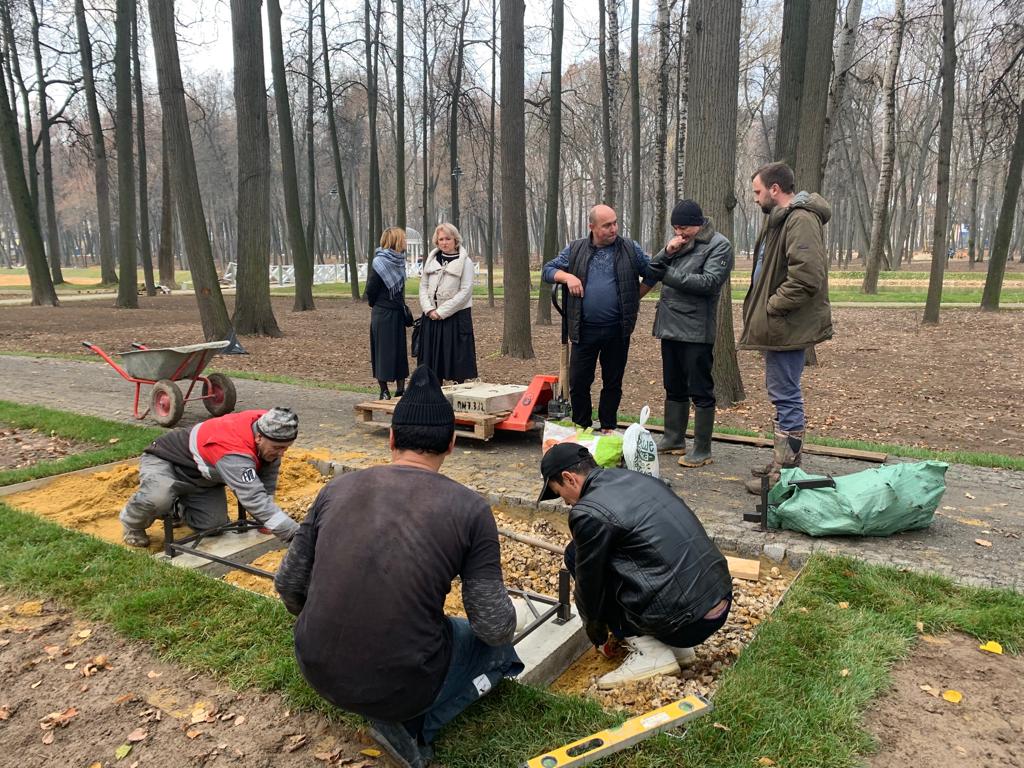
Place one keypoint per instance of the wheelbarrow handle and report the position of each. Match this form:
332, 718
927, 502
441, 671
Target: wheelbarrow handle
87, 344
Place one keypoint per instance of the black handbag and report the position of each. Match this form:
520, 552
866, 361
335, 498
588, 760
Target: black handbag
417, 327
408, 316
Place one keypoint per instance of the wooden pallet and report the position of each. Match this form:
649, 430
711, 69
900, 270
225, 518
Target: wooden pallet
478, 426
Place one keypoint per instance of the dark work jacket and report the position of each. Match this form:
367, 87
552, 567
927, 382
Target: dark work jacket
642, 554
692, 280
625, 274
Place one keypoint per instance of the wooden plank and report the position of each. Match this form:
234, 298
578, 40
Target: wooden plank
739, 568
764, 442
478, 426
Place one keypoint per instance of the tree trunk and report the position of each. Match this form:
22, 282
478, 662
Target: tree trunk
550, 247
714, 60
30, 137
844, 63
608, 187
99, 150
311, 230
127, 250
140, 130
793, 59
661, 141
453, 115
880, 209
636, 202
339, 177
399, 109
25, 213
425, 234
682, 101
374, 223
516, 340
185, 182
1001, 241
931, 309
810, 148
254, 315
165, 253
301, 259
490, 156
52, 225
614, 78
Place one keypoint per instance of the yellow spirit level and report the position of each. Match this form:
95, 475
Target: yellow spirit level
611, 740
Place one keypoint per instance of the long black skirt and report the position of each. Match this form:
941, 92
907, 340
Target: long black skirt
448, 347
389, 357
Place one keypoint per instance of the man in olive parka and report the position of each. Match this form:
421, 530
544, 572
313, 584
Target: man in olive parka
786, 308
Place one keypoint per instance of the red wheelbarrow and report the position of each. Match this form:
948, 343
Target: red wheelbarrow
162, 367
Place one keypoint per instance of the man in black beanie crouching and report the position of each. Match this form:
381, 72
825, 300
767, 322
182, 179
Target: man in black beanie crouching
367, 574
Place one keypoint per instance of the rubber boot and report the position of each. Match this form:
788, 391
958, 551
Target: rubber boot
788, 453
673, 440
703, 426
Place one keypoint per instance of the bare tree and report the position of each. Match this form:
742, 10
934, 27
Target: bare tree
140, 131
399, 110
254, 314
661, 139
880, 209
371, 42
213, 313
636, 201
608, 187
714, 60
455, 82
844, 62
1001, 241
289, 176
165, 253
490, 157
128, 279
99, 148
939, 230
516, 340
554, 157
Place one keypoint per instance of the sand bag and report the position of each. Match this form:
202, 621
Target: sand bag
639, 451
875, 502
606, 449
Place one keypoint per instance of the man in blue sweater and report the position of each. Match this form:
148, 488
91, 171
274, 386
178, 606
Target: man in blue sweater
602, 274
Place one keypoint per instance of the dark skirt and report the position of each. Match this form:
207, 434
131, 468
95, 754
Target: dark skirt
388, 356
448, 347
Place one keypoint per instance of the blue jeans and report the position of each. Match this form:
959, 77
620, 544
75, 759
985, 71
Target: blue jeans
782, 372
475, 668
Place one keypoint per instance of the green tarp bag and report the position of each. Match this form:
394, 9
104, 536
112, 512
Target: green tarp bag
875, 502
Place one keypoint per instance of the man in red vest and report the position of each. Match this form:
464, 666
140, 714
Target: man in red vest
192, 466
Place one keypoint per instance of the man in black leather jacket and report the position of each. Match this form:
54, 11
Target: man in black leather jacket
644, 566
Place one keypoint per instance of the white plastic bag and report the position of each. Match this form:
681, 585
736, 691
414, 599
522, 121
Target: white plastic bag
639, 450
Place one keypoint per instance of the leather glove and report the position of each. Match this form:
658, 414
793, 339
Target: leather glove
597, 631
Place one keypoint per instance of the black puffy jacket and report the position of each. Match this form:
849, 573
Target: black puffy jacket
642, 555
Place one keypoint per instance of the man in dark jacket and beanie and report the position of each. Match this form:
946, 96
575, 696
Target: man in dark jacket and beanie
786, 308
601, 273
644, 567
692, 267
368, 573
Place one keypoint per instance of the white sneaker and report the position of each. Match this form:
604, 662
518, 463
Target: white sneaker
648, 657
685, 657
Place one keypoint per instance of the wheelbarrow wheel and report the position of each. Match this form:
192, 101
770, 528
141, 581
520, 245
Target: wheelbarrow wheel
167, 403
219, 394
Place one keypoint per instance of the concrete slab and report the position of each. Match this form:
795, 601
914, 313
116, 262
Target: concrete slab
550, 649
230, 545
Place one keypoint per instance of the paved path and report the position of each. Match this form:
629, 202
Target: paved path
979, 503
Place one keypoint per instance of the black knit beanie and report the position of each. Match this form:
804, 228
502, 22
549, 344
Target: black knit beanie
423, 404
687, 213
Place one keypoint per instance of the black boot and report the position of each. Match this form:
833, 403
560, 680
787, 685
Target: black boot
673, 440
703, 426
399, 387
384, 393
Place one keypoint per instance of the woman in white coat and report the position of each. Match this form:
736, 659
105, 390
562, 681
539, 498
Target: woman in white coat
446, 298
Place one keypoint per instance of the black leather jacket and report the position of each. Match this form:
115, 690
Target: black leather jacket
642, 555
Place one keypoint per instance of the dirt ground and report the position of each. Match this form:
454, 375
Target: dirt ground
916, 725
884, 377
26, 447
76, 694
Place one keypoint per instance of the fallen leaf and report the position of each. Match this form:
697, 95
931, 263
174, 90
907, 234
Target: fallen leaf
239, 720
152, 674
139, 734
85, 633
199, 715
124, 698
954, 697
844, 605
370, 752
193, 733
58, 719
844, 673
96, 765
36, 684
5, 712
51, 650
968, 495
765, 761
983, 542
48, 737
122, 752
722, 727
114, 440
991, 646
71, 665
296, 742
29, 608
920, 626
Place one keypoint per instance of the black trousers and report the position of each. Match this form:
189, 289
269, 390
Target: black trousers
607, 344
686, 372
684, 636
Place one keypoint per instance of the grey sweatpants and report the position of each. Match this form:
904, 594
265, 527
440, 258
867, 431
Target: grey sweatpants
159, 485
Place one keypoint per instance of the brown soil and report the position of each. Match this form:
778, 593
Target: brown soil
26, 447
884, 377
74, 693
90, 502
914, 725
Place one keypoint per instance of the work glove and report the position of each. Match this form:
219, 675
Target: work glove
597, 631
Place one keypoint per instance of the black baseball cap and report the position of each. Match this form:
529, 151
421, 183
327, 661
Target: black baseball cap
559, 458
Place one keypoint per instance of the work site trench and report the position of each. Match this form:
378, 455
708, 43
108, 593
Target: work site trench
561, 658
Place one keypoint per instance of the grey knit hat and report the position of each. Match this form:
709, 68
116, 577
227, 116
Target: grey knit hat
279, 424
423, 404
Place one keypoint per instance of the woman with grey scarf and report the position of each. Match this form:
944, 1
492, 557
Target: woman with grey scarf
385, 292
